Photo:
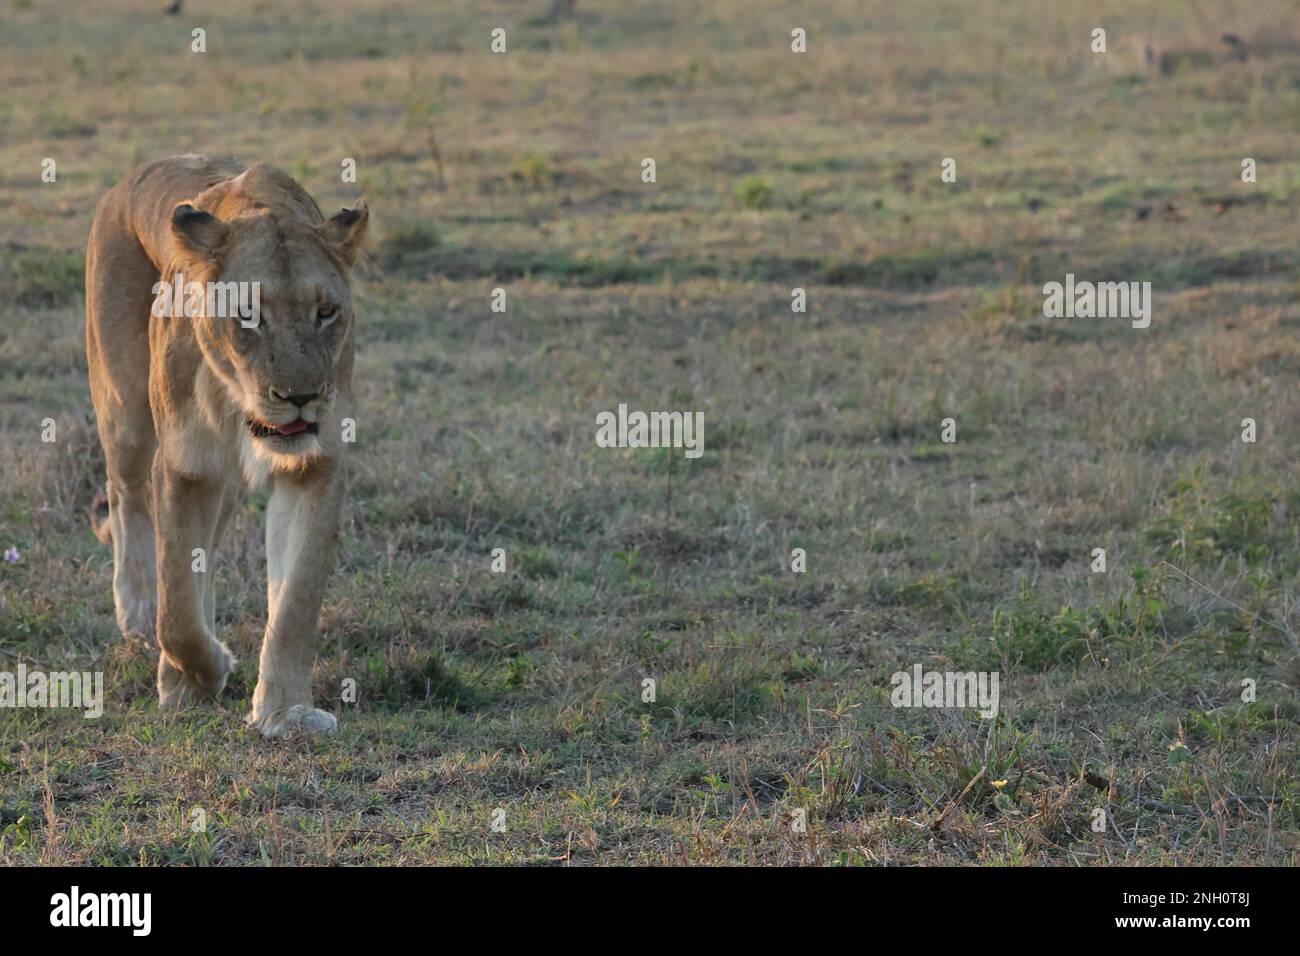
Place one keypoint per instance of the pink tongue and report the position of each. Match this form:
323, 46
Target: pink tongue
292, 428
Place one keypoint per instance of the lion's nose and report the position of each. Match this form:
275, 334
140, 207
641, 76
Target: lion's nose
300, 400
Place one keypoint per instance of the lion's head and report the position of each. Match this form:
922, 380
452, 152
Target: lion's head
276, 323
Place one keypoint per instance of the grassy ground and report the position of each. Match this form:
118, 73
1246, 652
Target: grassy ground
523, 691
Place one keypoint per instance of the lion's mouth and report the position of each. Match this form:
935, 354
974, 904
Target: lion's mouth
260, 429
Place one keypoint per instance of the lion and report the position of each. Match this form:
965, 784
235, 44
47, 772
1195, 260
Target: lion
189, 403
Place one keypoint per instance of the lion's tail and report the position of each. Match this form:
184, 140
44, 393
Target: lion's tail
99, 518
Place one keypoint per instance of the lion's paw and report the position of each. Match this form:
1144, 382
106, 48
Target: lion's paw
288, 720
134, 604
178, 689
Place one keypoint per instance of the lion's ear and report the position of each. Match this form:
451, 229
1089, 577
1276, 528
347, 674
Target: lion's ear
346, 229
198, 232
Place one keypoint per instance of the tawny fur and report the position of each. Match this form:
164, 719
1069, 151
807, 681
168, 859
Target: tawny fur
176, 397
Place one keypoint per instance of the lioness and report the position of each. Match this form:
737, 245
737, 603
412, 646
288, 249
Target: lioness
187, 404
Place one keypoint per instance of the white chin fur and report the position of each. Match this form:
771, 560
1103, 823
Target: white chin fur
262, 458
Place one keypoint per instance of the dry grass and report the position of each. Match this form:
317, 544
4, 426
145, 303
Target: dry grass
1121, 691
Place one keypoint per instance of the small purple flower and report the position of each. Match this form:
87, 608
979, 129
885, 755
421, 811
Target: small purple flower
12, 556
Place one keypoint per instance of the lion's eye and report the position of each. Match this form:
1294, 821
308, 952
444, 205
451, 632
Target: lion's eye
325, 314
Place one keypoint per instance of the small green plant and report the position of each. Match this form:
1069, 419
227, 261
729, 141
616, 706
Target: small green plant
535, 171
754, 192
1201, 527
1026, 635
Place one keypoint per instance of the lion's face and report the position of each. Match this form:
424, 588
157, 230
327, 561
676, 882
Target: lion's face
279, 364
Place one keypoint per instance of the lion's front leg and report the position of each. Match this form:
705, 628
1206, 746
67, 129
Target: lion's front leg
192, 663
302, 526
